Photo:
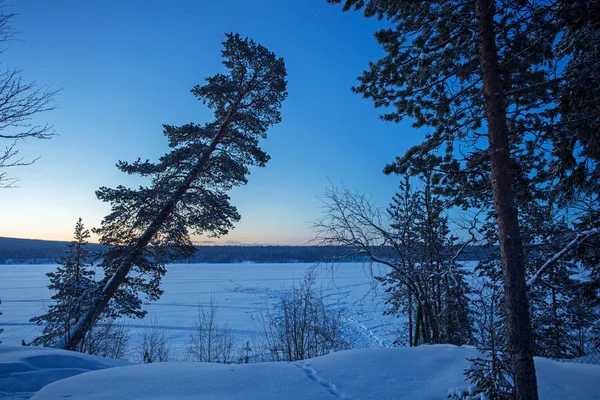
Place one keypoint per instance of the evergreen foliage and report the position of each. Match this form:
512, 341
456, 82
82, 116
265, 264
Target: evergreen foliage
430, 279
491, 373
412, 238
150, 226
73, 284
510, 91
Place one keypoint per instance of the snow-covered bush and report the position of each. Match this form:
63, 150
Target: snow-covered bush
301, 325
208, 342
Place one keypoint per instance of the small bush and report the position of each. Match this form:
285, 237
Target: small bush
208, 342
490, 379
107, 339
301, 325
152, 344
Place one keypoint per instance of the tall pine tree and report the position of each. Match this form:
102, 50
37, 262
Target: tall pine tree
492, 80
150, 226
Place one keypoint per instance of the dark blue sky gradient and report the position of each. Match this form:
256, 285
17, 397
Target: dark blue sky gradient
127, 67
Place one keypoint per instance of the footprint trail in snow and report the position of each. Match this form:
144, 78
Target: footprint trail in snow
330, 386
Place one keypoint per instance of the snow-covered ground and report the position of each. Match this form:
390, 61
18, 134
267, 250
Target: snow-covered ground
25, 370
240, 291
425, 373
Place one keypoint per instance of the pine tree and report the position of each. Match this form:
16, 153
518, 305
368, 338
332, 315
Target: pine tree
73, 285
150, 226
576, 143
496, 81
430, 286
491, 373
575, 140
563, 316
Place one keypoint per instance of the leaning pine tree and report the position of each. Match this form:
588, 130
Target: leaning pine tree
149, 226
72, 284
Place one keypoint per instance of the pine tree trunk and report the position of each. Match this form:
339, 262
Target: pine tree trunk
520, 337
85, 324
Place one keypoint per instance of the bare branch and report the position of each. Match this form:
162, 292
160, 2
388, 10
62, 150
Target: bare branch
20, 101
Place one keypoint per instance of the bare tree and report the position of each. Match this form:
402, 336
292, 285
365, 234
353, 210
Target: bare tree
152, 344
20, 101
301, 325
209, 342
412, 239
107, 338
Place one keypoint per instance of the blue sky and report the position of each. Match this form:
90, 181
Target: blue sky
126, 67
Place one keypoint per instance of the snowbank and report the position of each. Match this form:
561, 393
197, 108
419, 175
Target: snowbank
25, 370
426, 372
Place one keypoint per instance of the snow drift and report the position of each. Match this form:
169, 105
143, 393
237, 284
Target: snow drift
426, 372
25, 370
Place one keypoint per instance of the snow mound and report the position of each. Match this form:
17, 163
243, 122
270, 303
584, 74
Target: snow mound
426, 372
25, 370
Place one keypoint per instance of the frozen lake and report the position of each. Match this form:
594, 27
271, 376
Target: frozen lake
240, 292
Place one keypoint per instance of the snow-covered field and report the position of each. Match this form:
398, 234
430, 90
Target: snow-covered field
240, 291
423, 373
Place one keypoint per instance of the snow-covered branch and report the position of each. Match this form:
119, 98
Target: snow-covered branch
581, 236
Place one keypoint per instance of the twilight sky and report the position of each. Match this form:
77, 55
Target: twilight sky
127, 66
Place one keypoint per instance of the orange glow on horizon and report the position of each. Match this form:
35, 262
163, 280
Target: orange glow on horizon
197, 240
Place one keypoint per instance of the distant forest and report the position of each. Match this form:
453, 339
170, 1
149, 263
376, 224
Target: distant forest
31, 251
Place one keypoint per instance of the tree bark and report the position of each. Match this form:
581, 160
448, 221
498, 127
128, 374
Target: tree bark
520, 337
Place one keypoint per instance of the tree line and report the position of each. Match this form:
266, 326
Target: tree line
27, 251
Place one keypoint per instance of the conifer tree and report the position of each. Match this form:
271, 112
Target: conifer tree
425, 279
490, 373
150, 226
73, 285
432, 280
576, 143
562, 316
487, 76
